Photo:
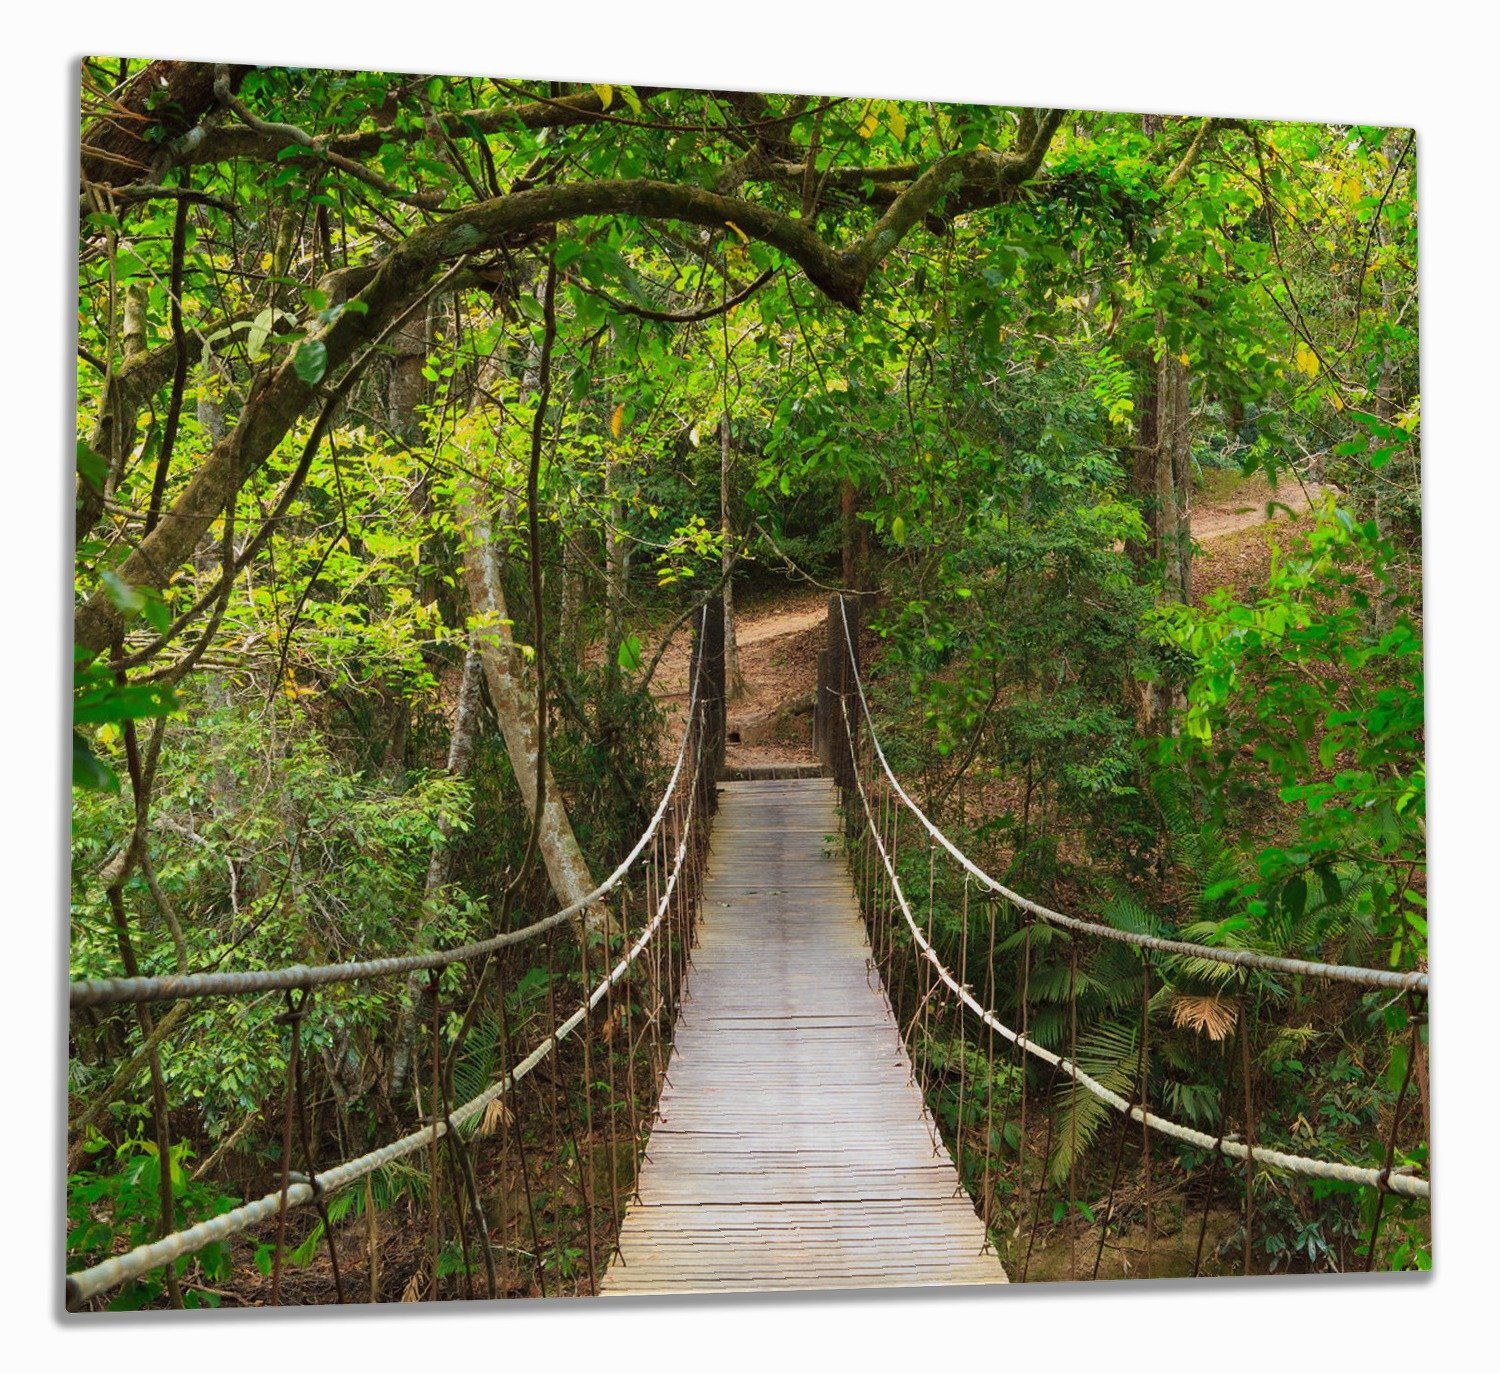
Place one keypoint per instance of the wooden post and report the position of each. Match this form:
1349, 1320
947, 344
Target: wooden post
839, 692
709, 645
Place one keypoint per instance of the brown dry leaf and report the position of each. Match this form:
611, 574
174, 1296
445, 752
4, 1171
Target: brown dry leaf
1213, 1016
413, 1290
611, 1024
495, 1116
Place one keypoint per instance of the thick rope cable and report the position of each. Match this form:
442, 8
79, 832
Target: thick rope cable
1320, 1169
89, 1283
1243, 958
95, 992
1384, 1179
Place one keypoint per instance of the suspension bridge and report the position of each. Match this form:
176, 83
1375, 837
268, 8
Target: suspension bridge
750, 1060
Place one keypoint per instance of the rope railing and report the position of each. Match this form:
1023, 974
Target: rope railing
120, 1269
93, 992
674, 844
1413, 981
1384, 1179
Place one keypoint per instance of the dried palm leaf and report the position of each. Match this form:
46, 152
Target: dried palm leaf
496, 1115
1212, 1015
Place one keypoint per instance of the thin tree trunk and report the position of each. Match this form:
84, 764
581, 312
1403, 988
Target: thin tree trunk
1173, 509
570, 610
616, 570
734, 681
1384, 409
1176, 458
1143, 471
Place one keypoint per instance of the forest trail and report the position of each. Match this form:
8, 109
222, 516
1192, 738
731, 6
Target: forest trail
1233, 533
770, 720
775, 621
1225, 509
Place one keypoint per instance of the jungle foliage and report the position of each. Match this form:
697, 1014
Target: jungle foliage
974, 363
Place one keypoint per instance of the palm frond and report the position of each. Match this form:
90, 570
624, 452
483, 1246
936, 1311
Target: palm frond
1209, 1014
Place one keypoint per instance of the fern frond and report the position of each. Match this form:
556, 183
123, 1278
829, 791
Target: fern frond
1108, 1054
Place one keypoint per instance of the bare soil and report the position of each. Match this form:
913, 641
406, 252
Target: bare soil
769, 720
1227, 503
1235, 524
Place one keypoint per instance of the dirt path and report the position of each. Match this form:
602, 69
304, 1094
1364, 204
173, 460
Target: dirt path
1234, 534
770, 720
776, 621
1241, 504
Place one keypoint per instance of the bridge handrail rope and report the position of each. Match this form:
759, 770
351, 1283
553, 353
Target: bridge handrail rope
1384, 1179
119, 1269
1414, 981
93, 992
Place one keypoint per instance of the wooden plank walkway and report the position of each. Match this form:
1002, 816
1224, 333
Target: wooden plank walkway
791, 1149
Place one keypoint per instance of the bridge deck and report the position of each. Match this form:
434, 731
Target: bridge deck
791, 1149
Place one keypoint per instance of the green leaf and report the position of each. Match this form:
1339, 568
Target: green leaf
898, 530
88, 772
260, 329
1294, 898
155, 610
105, 703
91, 467
311, 361
125, 598
1396, 1070
629, 656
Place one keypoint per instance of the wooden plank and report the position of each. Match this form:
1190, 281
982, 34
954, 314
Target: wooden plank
791, 1147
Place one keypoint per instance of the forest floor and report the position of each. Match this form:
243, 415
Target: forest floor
1235, 521
770, 718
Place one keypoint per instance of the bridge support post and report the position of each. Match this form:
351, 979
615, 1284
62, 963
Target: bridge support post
708, 645
837, 691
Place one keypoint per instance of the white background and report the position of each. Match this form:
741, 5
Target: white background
1429, 66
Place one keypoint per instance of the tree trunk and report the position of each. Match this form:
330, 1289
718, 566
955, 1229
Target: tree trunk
734, 681
1384, 410
1175, 469
570, 607
515, 707
616, 570
1143, 471
1161, 480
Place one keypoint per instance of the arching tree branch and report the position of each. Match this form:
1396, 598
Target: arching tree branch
968, 181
